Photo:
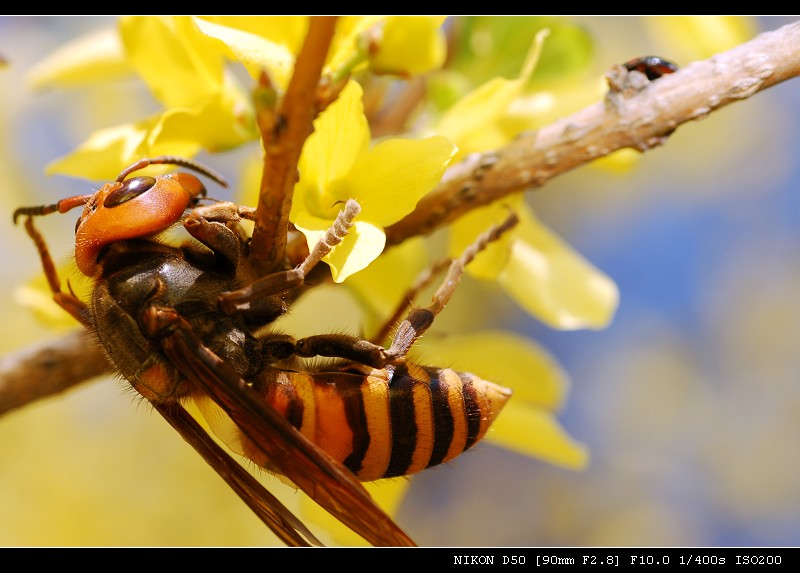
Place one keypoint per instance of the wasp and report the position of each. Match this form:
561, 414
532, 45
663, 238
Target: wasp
193, 322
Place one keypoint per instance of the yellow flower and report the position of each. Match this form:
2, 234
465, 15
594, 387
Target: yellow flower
182, 59
265, 43
378, 297
399, 45
692, 38
184, 69
387, 180
95, 57
475, 121
546, 69
409, 45
543, 274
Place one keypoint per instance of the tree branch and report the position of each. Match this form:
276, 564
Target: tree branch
640, 119
49, 368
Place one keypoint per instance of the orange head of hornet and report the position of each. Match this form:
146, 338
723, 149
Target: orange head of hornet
129, 209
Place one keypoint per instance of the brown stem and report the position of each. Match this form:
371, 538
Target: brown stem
49, 368
393, 118
283, 143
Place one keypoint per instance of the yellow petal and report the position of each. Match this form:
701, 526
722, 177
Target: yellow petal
474, 122
363, 244
37, 296
288, 31
394, 175
216, 125
410, 45
620, 161
463, 233
698, 37
105, 153
251, 170
97, 56
380, 297
504, 358
340, 139
255, 51
553, 282
180, 65
535, 432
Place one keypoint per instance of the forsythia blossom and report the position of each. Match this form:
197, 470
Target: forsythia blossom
541, 272
387, 179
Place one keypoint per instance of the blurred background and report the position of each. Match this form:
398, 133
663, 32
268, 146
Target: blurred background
689, 401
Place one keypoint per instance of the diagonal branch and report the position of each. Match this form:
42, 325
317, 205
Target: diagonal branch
641, 120
49, 368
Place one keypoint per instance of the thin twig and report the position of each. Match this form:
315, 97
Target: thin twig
393, 117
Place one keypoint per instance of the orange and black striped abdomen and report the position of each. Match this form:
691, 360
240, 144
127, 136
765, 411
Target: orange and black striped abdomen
385, 425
